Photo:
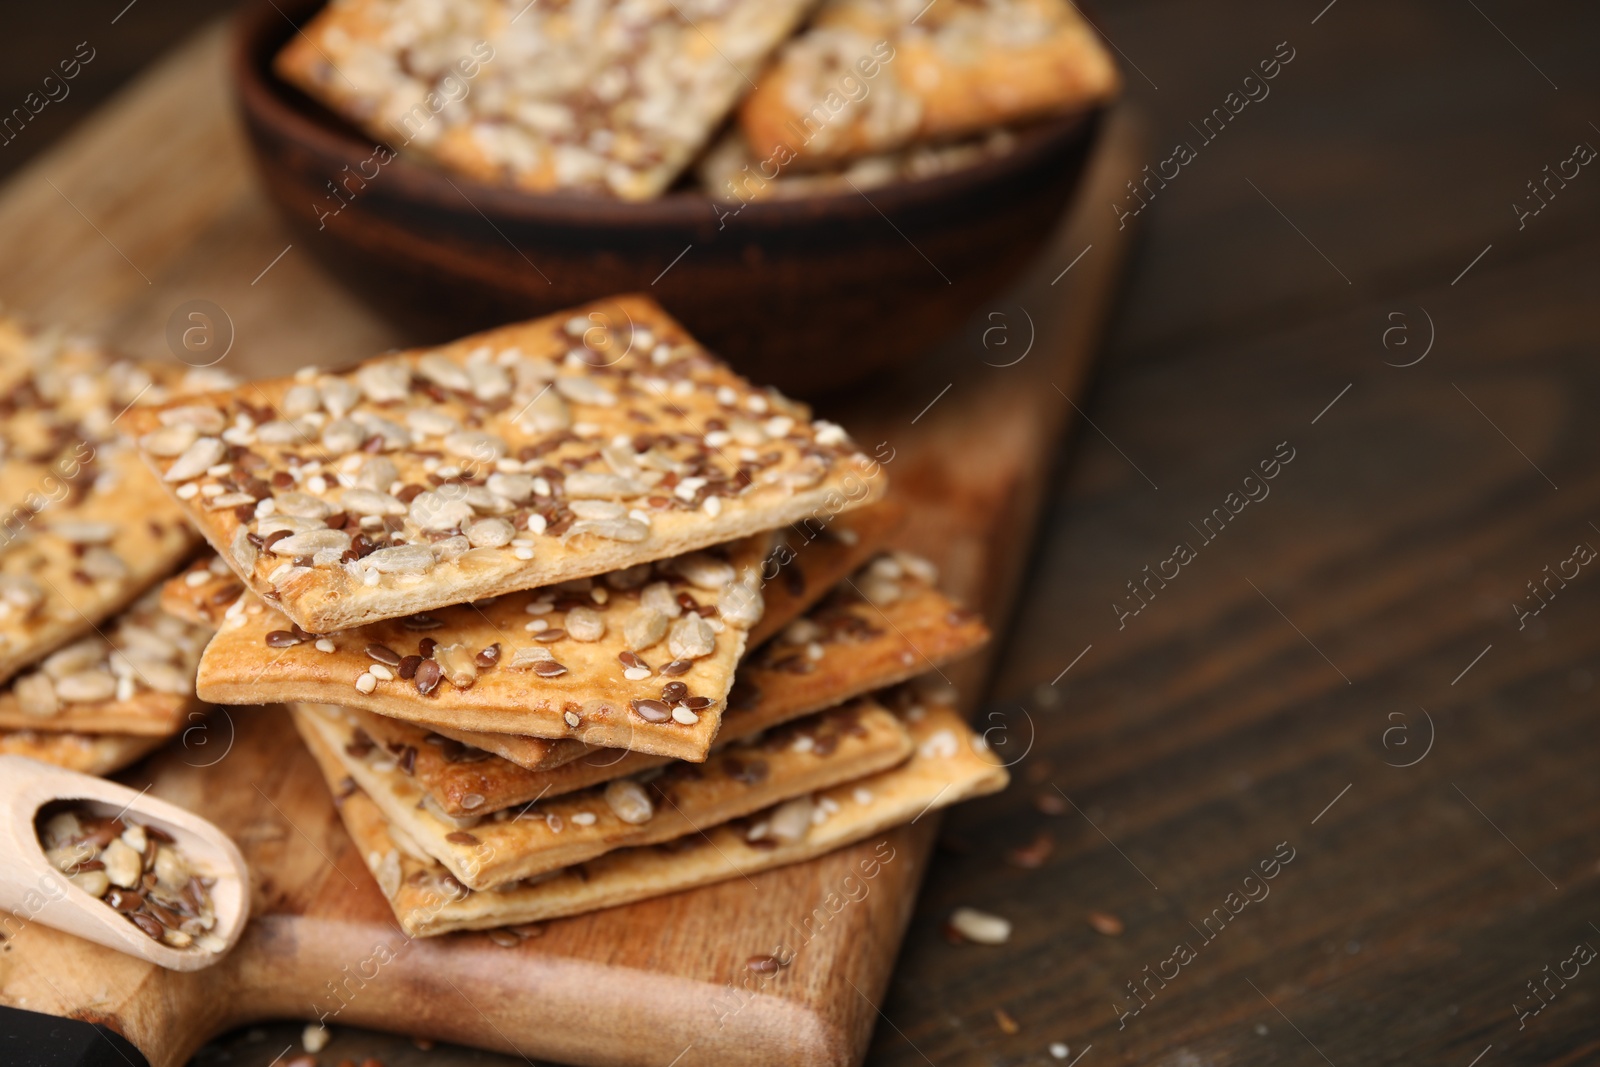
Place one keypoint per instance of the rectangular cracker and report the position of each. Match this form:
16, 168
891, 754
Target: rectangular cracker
949, 764
732, 173
613, 98
871, 76
660, 805
573, 445
136, 679
463, 780
89, 753
84, 528
807, 560
594, 667
203, 591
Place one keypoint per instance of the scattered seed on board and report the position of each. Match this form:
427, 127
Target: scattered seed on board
980, 926
1105, 923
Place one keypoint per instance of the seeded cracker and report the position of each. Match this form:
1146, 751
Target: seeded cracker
872, 76
202, 592
815, 753
610, 97
641, 658
806, 561
89, 753
919, 631
137, 679
795, 576
561, 448
730, 172
84, 528
949, 764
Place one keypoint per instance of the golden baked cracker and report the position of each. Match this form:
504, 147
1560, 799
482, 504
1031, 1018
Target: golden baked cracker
612, 98
732, 173
862, 651
825, 750
136, 679
810, 557
949, 764
89, 753
871, 76
84, 528
640, 659
569, 446
808, 560
203, 591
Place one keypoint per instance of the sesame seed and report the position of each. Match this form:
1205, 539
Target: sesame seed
366, 683
636, 674
188, 491
572, 719
683, 715
324, 645
583, 818
380, 672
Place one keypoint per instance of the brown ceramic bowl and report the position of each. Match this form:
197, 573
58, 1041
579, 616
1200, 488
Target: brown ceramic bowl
807, 294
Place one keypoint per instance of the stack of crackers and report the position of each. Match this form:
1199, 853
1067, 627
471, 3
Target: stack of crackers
93, 673
569, 614
623, 98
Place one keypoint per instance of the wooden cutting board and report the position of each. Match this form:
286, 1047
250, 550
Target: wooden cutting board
151, 204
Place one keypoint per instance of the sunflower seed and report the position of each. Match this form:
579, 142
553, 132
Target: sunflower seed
193, 461
628, 800
458, 664
691, 638
643, 628
585, 624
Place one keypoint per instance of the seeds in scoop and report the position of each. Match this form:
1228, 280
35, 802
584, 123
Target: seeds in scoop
134, 869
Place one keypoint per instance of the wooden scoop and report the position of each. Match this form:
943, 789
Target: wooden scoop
33, 890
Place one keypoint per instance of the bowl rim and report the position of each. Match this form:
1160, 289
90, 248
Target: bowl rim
257, 34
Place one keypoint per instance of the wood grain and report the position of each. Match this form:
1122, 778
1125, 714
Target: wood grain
131, 233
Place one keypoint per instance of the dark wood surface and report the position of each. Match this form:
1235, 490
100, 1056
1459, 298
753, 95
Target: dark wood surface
1259, 685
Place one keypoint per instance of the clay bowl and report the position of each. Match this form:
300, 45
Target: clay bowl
807, 294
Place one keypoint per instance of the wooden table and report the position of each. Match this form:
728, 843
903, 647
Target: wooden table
1359, 618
